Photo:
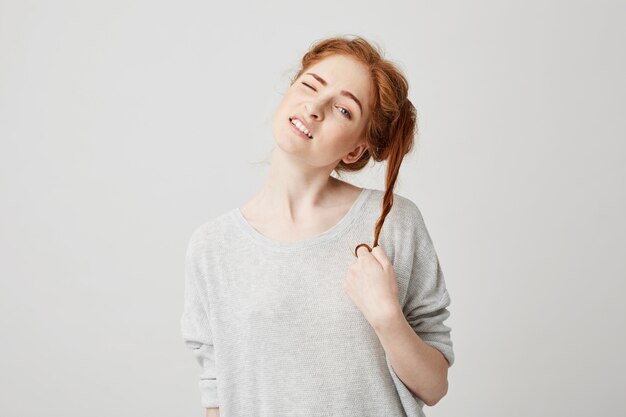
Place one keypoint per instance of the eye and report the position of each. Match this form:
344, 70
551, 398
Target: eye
347, 113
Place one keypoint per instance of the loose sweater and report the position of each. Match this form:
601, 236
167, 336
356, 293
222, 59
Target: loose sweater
275, 334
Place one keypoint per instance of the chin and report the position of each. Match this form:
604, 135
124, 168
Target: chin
284, 137
285, 141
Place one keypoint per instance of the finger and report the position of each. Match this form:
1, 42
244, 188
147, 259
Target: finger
366, 259
362, 251
379, 254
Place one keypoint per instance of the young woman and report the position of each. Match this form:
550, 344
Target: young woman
288, 309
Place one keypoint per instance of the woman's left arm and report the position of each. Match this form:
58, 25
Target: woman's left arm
421, 367
372, 286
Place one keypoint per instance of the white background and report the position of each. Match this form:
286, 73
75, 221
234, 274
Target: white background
126, 124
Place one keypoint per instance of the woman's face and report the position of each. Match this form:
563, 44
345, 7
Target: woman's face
331, 98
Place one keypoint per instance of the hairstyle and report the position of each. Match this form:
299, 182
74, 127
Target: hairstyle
392, 126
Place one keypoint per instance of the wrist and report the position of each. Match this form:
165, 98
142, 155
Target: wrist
392, 318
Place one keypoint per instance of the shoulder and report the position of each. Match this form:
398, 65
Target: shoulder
209, 233
404, 230
404, 212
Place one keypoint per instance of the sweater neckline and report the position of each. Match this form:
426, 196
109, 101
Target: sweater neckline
334, 231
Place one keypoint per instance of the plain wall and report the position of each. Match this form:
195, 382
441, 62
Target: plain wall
126, 124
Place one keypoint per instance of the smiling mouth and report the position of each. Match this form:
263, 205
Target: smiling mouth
308, 136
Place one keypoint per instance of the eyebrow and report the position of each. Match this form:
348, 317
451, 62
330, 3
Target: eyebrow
343, 92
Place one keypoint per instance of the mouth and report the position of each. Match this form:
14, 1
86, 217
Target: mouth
299, 128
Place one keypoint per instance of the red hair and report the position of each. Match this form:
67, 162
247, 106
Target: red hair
392, 126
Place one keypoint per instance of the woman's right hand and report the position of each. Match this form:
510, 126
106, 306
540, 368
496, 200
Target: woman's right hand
212, 412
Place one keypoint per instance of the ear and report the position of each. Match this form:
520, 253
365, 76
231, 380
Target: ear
355, 154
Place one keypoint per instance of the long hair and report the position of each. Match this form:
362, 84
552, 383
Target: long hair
392, 126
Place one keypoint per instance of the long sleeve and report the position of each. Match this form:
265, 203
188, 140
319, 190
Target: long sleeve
195, 327
427, 298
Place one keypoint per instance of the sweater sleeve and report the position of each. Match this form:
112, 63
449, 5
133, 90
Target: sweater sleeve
195, 327
427, 299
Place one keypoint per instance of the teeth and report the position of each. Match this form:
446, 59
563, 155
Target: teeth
300, 126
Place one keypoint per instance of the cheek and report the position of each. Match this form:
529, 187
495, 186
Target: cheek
338, 139
283, 109
343, 134
287, 105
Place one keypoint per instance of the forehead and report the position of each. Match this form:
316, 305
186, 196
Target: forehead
344, 73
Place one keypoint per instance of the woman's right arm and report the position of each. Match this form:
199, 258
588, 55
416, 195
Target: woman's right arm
194, 321
212, 412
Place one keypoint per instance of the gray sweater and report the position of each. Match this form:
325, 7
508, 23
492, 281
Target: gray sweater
275, 334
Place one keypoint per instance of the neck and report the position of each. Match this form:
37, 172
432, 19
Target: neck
293, 190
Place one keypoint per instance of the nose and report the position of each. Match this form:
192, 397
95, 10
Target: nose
315, 108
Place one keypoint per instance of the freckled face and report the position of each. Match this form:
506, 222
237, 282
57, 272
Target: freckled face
326, 98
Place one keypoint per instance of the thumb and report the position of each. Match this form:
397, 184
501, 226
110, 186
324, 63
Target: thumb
380, 256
